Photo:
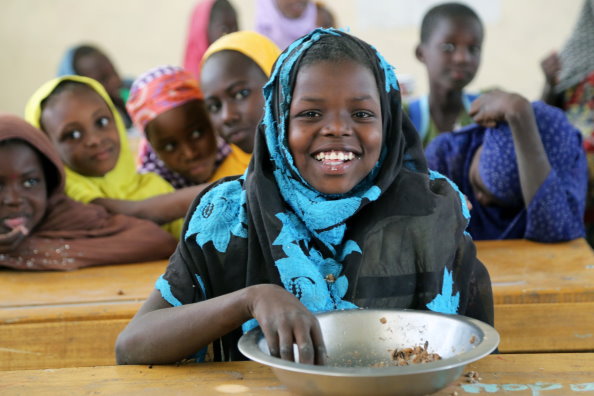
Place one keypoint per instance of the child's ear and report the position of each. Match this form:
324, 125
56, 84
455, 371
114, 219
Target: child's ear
419, 53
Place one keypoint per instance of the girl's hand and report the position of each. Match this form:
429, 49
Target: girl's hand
12, 239
496, 106
551, 67
285, 321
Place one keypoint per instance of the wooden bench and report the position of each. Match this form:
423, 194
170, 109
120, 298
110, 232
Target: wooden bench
543, 294
516, 374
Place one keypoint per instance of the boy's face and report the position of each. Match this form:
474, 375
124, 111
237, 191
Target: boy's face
98, 67
23, 191
222, 22
232, 87
452, 54
335, 125
184, 140
82, 128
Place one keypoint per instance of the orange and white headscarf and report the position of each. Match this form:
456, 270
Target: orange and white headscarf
158, 90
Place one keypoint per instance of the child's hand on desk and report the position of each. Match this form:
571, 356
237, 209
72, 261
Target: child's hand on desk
284, 320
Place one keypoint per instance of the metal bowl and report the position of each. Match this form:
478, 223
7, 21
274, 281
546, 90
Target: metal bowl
359, 340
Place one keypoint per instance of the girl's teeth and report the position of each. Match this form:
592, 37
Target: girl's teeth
335, 156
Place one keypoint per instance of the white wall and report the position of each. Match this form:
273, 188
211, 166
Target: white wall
140, 34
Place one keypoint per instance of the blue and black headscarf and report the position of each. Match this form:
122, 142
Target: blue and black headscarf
378, 245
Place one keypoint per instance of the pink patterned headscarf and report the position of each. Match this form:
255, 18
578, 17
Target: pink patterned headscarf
197, 41
158, 90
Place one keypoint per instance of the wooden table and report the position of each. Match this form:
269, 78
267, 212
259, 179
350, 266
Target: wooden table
517, 375
543, 294
69, 319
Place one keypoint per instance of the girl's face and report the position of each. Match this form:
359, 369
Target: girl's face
481, 193
184, 140
23, 191
292, 9
232, 86
335, 125
452, 53
82, 128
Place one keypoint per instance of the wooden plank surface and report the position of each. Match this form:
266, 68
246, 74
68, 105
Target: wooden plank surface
74, 319
518, 375
129, 282
556, 327
525, 272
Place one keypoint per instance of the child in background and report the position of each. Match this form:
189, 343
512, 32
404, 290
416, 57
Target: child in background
181, 145
89, 61
336, 211
522, 168
42, 229
83, 124
211, 19
234, 70
451, 40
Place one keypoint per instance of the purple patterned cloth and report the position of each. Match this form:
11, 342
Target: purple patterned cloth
555, 213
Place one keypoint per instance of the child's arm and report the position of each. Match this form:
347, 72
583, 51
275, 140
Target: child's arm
533, 163
162, 334
551, 66
161, 209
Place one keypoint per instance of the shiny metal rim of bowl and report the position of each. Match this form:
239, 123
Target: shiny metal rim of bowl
248, 345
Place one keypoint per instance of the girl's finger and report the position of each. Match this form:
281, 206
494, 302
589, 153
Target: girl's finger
318, 344
272, 341
305, 347
286, 340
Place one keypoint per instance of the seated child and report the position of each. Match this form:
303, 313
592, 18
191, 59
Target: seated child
181, 145
42, 229
336, 211
210, 20
234, 70
89, 61
450, 48
522, 168
82, 123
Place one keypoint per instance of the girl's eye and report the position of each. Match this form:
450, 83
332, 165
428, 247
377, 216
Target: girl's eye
475, 49
196, 134
31, 182
73, 135
213, 107
310, 114
447, 47
241, 94
102, 122
362, 114
169, 147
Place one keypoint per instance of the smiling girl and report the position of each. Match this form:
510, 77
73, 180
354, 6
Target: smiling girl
81, 121
336, 211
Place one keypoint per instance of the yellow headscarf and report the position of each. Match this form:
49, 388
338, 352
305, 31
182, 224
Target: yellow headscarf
255, 46
122, 182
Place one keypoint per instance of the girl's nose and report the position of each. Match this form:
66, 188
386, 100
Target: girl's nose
462, 54
229, 113
11, 196
338, 125
92, 139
